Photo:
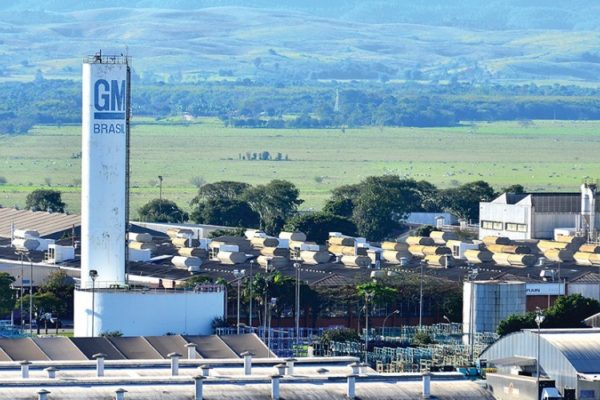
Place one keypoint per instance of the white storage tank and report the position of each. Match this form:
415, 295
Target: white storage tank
492, 301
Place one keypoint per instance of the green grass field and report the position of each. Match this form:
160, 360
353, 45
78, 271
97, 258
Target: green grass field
543, 155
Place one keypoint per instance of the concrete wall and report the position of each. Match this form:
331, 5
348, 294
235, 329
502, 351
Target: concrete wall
545, 223
41, 271
151, 313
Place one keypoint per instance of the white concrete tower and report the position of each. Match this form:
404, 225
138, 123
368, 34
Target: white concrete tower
104, 168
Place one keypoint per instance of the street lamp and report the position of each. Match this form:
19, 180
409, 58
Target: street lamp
21, 253
239, 275
30, 295
473, 272
93, 275
423, 263
368, 297
272, 305
539, 318
297, 267
386, 318
251, 288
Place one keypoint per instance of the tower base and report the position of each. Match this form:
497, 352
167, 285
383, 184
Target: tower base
147, 313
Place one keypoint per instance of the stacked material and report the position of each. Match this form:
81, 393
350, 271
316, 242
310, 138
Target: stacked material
422, 251
192, 264
514, 260
314, 257
438, 260
558, 255
293, 236
179, 232
231, 257
252, 233
267, 241
478, 256
440, 237
273, 262
588, 259
396, 257
192, 252
508, 248
139, 237
559, 250
573, 240
142, 246
395, 252
274, 252
496, 240
342, 241
420, 241
242, 244
180, 242
394, 246
589, 248
356, 261
347, 250
588, 254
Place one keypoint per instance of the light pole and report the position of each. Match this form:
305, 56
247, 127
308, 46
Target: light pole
251, 289
539, 318
297, 267
385, 320
30, 295
239, 274
93, 275
21, 254
272, 305
473, 272
368, 297
422, 264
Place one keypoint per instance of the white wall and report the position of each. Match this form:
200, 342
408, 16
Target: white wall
511, 213
591, 290
136, 313
545, 223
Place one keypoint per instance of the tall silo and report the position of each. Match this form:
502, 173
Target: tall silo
105, 131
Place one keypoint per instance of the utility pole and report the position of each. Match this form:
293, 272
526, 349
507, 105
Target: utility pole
297, 267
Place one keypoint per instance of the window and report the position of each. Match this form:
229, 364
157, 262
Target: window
487, 224
513, 227
498, 226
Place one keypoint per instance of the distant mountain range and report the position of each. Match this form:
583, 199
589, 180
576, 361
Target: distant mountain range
307, 39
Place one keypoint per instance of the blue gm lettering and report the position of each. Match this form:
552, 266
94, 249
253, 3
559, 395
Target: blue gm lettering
109, 99
109, 104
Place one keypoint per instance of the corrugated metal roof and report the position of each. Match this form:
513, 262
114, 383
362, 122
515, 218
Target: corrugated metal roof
45, 223
581, 348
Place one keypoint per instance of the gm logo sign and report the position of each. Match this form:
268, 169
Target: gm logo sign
109, 99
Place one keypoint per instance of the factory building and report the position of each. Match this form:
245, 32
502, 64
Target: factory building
569, 360
538, 215
104, 301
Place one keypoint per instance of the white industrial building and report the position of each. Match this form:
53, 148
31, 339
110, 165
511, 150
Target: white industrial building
538, 215
104, 301
486, 303
569, 360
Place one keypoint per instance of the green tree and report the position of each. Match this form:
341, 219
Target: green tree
425, 230
274, 202
164, 210
43, 302
383, 203
44, 200
566, 312
342, 200
570, 311
317, 226
463, 201
381, 294
516, 189
226, 212
339, 335
62, 286
220, 190
7, 298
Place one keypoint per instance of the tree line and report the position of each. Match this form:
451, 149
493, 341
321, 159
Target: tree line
307, 104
